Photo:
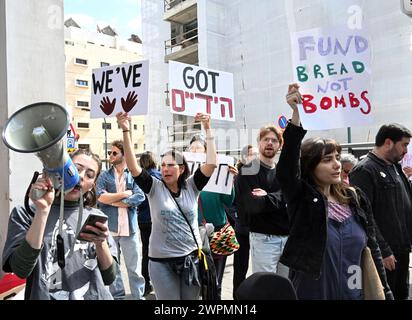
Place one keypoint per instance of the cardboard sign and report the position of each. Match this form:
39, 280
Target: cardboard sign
221, 180
332, 68
118, 88
194, 89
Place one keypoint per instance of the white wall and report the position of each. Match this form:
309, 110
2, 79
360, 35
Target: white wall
257, 51
154, 32
32, 54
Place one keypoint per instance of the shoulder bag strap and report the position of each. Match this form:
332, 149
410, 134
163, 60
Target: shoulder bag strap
184, 216
199, 202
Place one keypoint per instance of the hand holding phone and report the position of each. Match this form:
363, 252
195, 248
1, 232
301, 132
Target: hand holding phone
92, 232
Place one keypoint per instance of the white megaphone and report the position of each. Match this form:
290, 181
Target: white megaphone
40, 127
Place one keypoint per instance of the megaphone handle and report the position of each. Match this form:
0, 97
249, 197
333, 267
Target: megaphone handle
26, 197
37, 194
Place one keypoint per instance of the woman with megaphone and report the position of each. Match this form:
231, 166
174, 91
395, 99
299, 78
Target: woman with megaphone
82, 268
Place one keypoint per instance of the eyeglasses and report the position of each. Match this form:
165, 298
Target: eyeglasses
267, 140
114, 153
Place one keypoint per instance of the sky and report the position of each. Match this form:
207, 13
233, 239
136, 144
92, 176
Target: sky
122, 15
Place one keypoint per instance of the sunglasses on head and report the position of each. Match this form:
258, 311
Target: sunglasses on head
114, 153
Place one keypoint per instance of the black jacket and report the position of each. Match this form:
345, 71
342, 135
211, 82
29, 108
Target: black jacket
307, 209
265, 214
389, 205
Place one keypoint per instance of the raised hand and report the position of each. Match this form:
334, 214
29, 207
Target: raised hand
293, 97
107, 106
204, 119
130, 101
233, 170
123, 120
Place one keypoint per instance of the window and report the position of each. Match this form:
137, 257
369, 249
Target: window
82, 104
84, 146
144, 146
135, 126
143, 129
136, 145
71, 43
82, 83
83, 62
107, 126
83, 125
104, 64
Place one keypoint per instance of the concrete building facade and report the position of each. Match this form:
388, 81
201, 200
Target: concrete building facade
251, 39
31, 70
86, 51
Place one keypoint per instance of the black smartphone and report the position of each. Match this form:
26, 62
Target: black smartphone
91, 221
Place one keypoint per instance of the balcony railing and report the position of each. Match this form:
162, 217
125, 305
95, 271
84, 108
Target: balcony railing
181, 41
181, 132
169, 4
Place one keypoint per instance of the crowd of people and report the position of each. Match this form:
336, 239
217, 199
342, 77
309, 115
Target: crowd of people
309, 218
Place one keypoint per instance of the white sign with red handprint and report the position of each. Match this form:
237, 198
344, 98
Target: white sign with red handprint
194, 89
118, 88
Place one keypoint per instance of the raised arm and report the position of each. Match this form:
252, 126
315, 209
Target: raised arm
293, 98
211, 156
287, 171
131, 161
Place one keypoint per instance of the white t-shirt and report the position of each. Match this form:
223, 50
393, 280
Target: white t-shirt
171, 236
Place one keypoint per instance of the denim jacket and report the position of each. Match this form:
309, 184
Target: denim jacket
107, 183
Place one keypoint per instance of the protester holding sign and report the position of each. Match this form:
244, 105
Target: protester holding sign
331, 222
211, 209
173, 254
332, 66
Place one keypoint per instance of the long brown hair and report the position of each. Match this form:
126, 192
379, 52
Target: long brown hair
89, 197
181, 161
312, 151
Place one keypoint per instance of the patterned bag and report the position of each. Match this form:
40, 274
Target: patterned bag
224, 241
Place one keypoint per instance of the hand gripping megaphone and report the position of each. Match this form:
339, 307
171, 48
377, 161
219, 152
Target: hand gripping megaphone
39, 128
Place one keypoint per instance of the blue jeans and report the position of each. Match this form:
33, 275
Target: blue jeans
265, 251
170, 286
131, 253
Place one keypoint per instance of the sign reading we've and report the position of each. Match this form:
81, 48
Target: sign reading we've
221, 180
194, 89
118, 88
332, 68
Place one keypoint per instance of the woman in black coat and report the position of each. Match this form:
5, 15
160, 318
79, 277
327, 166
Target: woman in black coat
330, 222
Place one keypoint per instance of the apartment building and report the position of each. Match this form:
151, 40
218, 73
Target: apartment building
84, 52
251, 39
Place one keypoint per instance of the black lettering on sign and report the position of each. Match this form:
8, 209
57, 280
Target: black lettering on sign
132, 71
218, 173
103, 83
200, 79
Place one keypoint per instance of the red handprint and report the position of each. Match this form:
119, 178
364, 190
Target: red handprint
107, 106
130, 101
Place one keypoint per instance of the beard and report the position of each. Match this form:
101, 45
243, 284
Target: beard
116, 162
269, 153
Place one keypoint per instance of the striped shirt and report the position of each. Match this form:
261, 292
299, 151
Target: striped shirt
338, 212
